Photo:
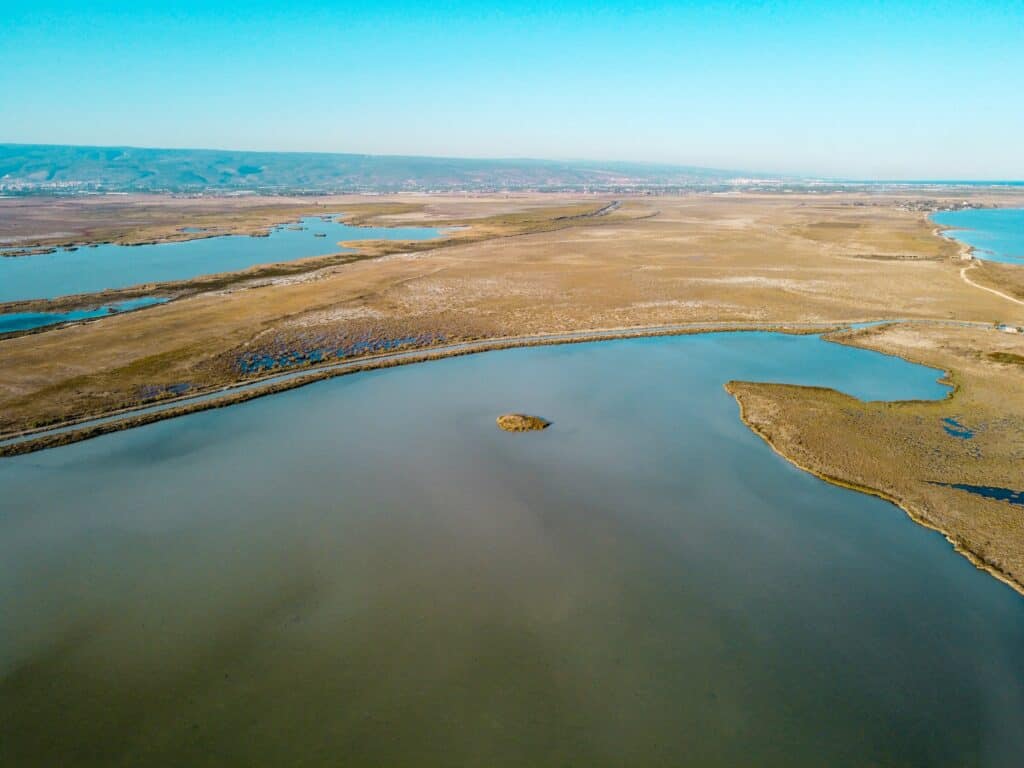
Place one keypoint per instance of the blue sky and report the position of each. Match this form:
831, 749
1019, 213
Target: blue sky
869, 90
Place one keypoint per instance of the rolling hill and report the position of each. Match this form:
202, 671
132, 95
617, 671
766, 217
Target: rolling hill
54, 169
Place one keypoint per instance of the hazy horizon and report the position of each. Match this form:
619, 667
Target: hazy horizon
896, 91
754, 173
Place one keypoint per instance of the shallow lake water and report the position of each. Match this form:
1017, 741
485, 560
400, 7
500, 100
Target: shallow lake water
90, 269
996, 234
23, 321
366, 571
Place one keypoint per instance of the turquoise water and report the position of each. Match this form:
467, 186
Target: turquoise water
23, 321
88, 269
366, 571
996, 234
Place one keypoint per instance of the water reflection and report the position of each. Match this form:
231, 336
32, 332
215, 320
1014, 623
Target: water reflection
367, 571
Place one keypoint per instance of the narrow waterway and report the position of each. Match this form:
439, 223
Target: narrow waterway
96, 268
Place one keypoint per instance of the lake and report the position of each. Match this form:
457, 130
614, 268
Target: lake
996, 234
367, 571
92, 269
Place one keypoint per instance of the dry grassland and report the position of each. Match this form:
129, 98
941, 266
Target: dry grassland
544, 264
913, 453
522, 266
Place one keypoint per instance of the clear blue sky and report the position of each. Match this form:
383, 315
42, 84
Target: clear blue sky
874, 89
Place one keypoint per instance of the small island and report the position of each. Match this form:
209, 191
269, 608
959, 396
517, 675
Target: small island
520, 422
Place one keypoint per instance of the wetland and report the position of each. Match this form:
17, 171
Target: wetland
365, 570
104, 266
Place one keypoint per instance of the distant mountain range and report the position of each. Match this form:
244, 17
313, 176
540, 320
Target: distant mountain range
54, 169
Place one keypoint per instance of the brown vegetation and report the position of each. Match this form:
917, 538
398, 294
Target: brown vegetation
525, 265
1008, 278
904, 452
699, 259
520, 422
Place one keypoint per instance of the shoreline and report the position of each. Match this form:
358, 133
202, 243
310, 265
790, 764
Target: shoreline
886, 455
349, 250
940, 230
53, 436
452, 232
972, 557
316, 372
39, 247
967, 251
968, 255
30, 440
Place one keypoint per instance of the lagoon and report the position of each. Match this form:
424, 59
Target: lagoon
92, 269
23, 321
996, 234
367, 571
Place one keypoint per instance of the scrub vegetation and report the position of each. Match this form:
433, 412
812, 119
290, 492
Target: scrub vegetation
521, 422
905, 451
